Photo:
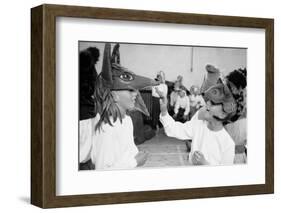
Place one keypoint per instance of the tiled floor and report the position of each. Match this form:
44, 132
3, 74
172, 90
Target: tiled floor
165, 151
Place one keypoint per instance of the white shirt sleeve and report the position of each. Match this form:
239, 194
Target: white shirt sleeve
85, 140
182, 131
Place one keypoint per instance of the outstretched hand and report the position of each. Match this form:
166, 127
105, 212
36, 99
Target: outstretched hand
163, 102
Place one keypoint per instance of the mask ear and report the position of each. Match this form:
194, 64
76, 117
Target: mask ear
210, 78
115, 58
106, 71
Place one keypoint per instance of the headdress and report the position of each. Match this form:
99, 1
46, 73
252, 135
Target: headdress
229, 93
211, 78
87, 78
115, 77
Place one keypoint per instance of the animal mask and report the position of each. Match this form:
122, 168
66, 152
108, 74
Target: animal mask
213, 74
228, 92
221, 94
117, 77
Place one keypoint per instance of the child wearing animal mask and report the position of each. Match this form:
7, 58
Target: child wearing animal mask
211, 144
109, 143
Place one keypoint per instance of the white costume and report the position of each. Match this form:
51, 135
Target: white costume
112, 147
86, 130
217, 147
182, 102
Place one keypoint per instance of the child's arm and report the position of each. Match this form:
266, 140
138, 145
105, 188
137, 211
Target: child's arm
178, 130
182, 131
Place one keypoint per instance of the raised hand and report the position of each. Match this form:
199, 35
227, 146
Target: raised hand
163, 102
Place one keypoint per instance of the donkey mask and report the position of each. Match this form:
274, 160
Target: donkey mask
116, 77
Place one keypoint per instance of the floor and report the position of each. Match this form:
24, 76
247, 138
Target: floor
165, 151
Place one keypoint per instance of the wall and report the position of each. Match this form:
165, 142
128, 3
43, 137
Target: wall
15, 106
147, 60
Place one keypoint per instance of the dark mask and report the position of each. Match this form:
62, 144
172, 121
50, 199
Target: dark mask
117, 77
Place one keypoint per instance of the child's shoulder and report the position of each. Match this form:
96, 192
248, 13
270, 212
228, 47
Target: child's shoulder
226, 138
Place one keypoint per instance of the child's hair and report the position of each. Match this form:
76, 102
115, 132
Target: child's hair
236, 81
239, 79
87, 60
105, 104
87, 71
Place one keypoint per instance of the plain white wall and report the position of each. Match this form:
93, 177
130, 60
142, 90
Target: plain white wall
147, 60
15, 105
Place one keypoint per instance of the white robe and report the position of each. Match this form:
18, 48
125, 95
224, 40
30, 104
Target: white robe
182, 102
217, 147
111, 147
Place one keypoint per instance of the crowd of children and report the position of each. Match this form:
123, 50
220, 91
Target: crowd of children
207, 116
183, 103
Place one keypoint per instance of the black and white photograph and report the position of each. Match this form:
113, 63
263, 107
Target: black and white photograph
161, 105
131, 106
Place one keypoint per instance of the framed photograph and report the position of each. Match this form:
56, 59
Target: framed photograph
138, 106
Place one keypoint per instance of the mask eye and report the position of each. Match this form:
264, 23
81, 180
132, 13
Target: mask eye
215, 92
127, 77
